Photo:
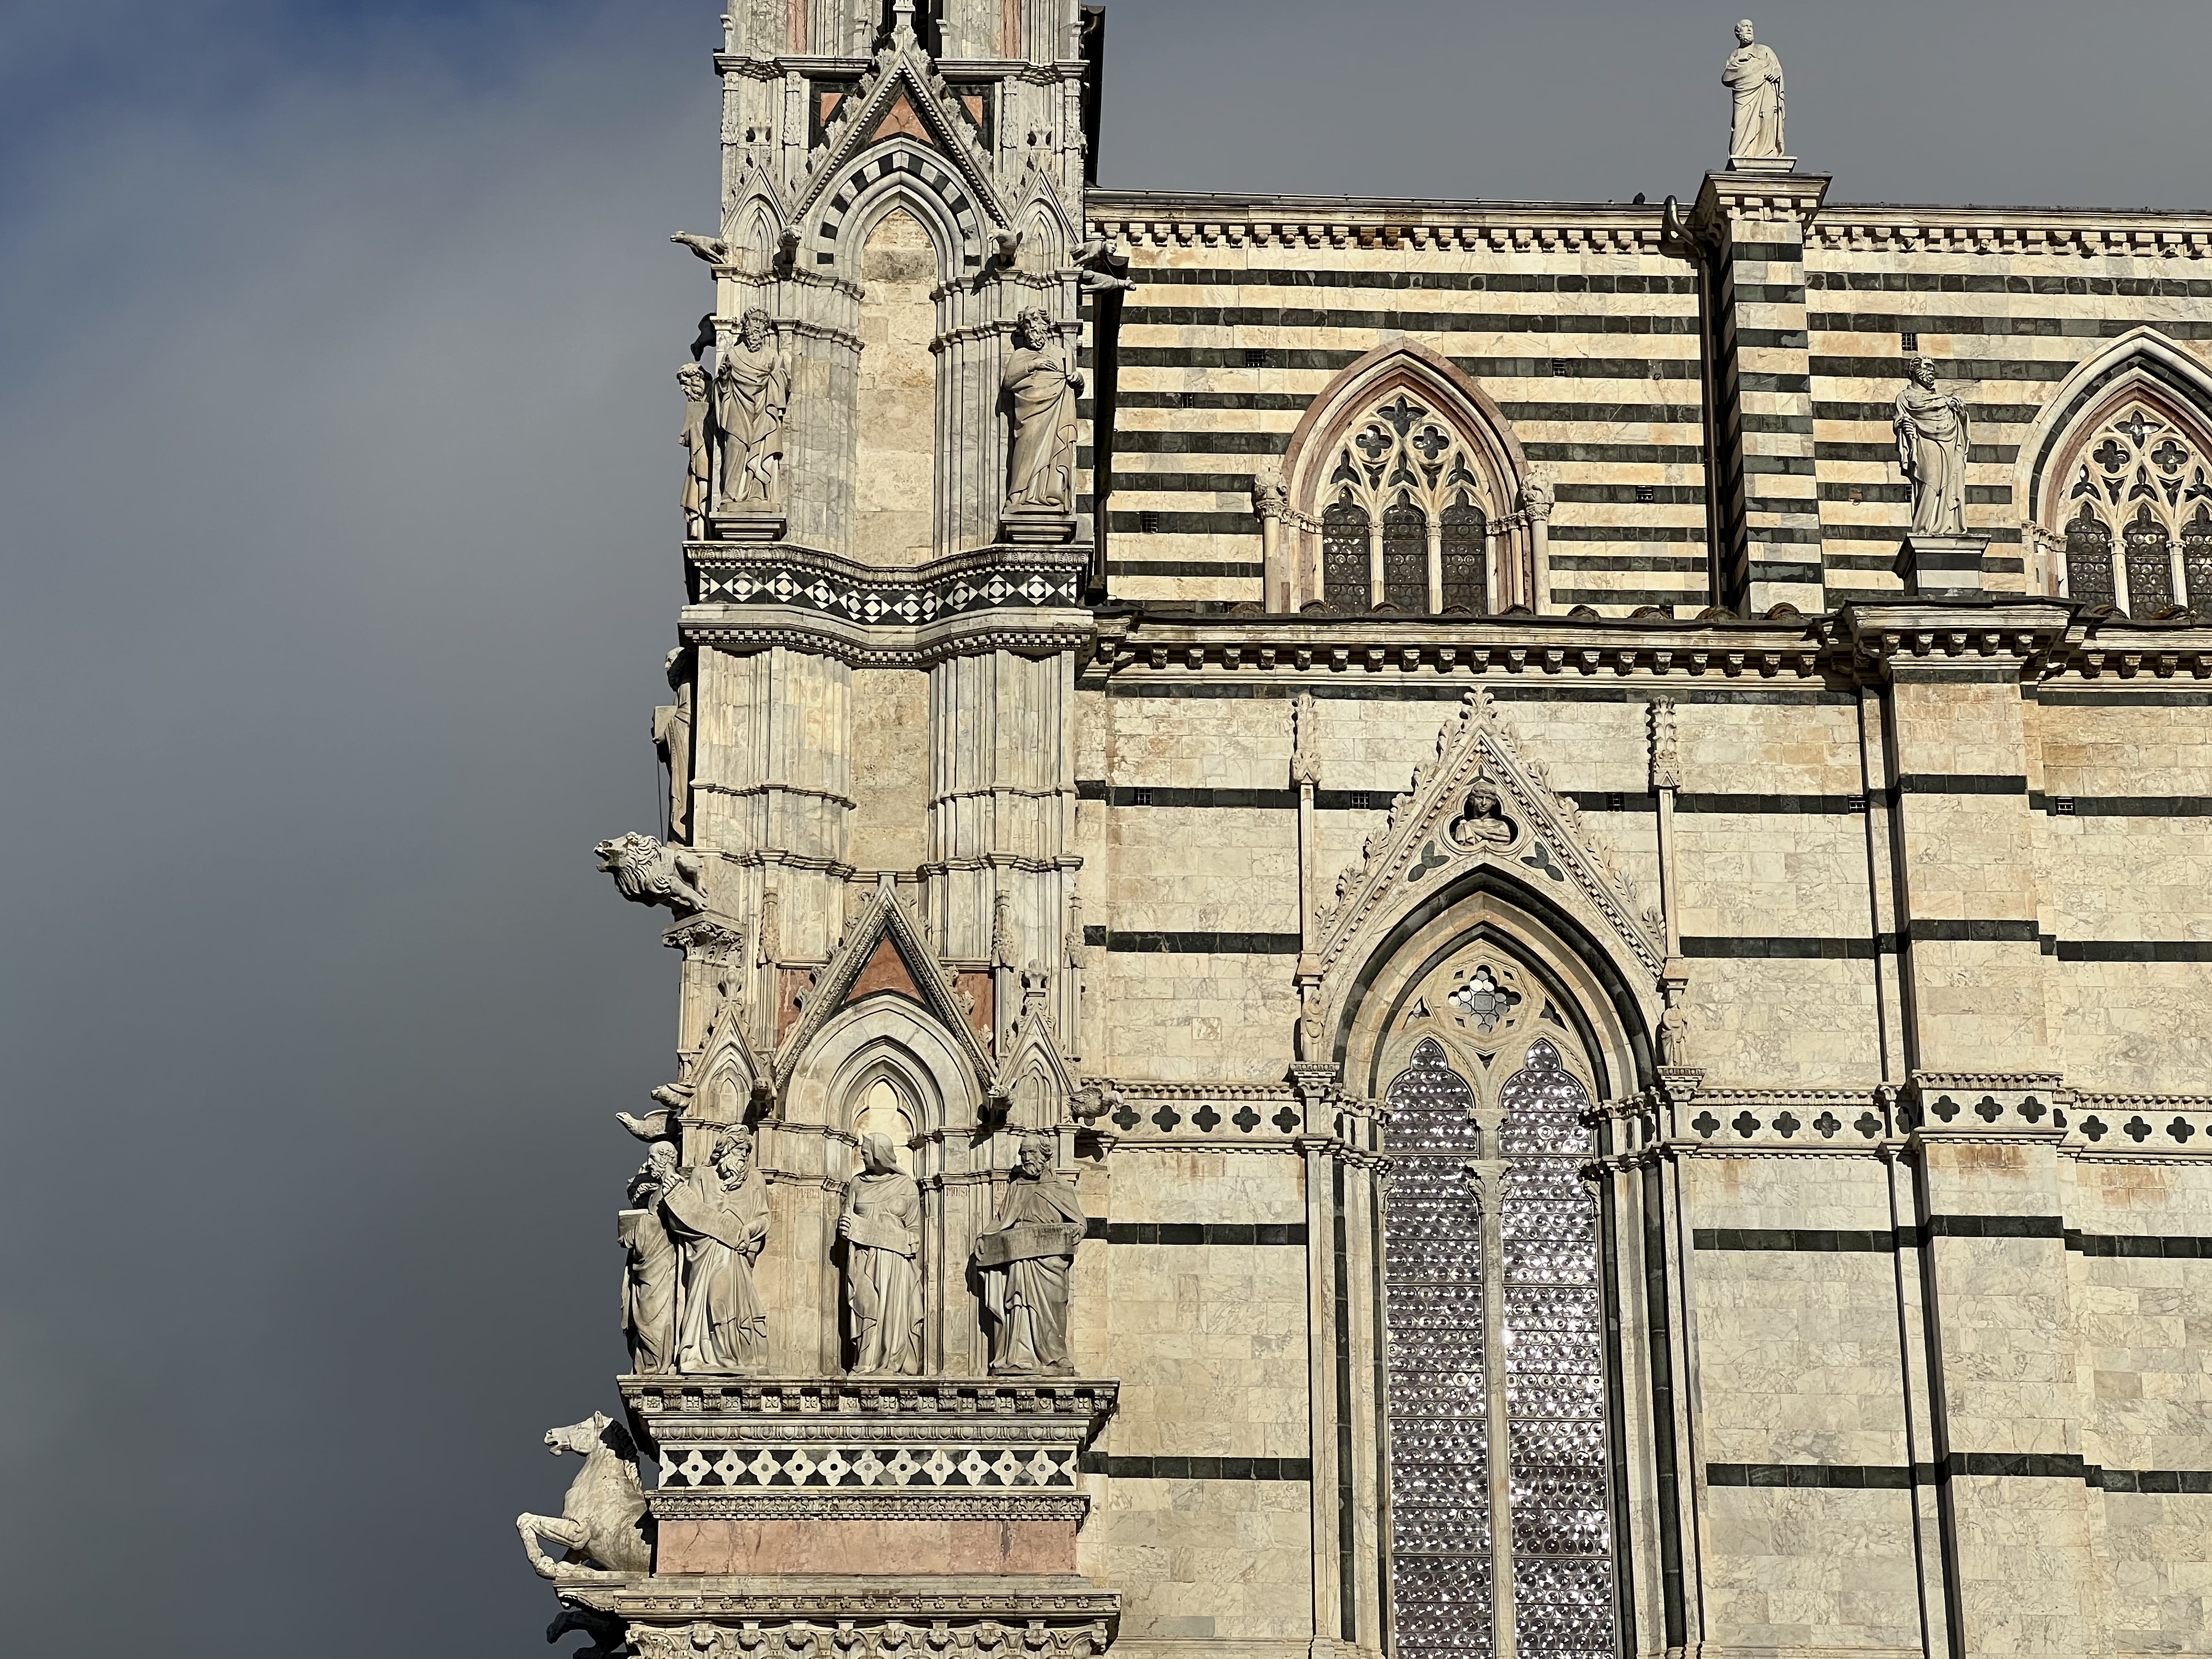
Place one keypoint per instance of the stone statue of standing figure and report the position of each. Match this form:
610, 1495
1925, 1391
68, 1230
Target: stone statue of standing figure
752, 392
718, 1216
1042, 385
882, 1230
1754, 74
1027, 1259
652, 1267
698, 441
1931, 448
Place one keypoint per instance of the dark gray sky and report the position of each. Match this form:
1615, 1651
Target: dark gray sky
337, 476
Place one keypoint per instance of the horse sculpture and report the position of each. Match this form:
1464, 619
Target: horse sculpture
601, 1526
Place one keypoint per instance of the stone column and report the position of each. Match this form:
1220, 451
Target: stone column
1749, 230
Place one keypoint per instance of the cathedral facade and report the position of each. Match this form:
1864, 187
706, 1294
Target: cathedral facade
1411, 927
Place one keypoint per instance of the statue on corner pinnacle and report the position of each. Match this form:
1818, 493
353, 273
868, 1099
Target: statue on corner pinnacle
1754, 75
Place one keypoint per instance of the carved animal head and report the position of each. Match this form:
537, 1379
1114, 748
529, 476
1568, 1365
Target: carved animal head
587, 1437
626, 849
578, 1437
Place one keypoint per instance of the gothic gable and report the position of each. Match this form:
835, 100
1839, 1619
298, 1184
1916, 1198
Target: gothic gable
1480, 801
883, 951
903, 97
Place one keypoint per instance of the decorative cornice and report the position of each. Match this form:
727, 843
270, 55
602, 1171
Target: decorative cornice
1088, 1400
2083, 234
713, 1504
1174, 219
1862, 642
1167, 219
849, 1596
858, 646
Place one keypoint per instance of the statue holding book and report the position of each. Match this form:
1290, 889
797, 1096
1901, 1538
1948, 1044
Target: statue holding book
1027, 1259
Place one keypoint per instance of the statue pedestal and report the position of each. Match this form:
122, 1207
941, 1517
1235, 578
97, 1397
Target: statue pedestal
1762, 164
884, 1507
1941, 567
748, 524
1036, 527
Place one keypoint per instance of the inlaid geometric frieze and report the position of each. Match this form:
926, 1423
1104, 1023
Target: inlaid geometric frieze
951, 587
825, 1467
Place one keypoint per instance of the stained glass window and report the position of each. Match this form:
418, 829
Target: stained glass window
2150, 565
2089, 559
1552, 1344
1344, 557
1406, 557
1554, 1369
1440, 1577
1463, 540
2197, 559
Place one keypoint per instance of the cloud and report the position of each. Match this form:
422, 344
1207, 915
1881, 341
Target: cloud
340, 472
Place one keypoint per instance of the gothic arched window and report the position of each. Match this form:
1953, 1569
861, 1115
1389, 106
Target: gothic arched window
2144, 472
1433, 466
1406, 557
1343, 584
1464, 565
1496, 1335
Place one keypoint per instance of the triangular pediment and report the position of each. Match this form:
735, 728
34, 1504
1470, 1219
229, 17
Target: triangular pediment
724, 1083
1483, 801
903, 96
897, 116
1033, 1051
884, 950
885, 969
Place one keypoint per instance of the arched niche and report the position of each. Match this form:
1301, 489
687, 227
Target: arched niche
895, 435
1404, 465
883, 1053
885, 1035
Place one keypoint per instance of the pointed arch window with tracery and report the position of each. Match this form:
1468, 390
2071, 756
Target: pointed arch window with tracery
2138, 507
1408, 469
1501, 1470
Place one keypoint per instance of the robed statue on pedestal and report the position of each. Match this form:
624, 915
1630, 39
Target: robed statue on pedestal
1041, 384
1027, 1259
719, 1218
882, 1229
1931, 449
1754, 74
651, 1265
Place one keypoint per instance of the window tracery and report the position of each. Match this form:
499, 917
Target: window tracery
1405, 465
1494, 1319
2139, 494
